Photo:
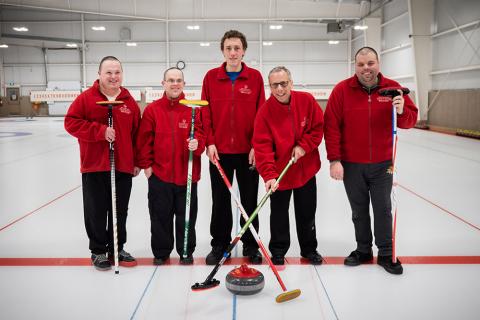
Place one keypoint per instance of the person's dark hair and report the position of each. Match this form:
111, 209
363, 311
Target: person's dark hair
365, 50
172, 68
234, 34
108, 58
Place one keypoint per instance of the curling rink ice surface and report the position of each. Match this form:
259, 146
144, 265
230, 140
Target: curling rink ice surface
45, 270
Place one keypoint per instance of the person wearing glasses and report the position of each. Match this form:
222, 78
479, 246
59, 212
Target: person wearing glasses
234, 92
289, 124
163, 147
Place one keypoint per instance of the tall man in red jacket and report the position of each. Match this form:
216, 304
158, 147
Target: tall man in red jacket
358, 136
163, 147
290, 123
88, 122
234, 92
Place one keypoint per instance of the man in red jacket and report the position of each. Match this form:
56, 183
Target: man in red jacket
234, 92
88, 122
163, 147
290, 123
358, 136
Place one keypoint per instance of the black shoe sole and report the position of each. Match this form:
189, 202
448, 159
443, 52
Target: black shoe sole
357, 262
392, 270
255, 260
103, 268
186, 262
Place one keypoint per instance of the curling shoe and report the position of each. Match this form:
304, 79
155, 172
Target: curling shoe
389, 266
100, 262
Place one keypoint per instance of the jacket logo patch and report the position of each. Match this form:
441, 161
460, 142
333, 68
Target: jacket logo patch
124, 109
384, 99
183, 124
304, 122
245, 90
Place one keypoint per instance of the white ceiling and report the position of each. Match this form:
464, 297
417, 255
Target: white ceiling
200, 10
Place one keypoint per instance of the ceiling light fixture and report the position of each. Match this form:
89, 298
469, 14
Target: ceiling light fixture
333, 41
195, 27
3, 45
204, 44
20, 29
71, 45
276, 27
131, 44
267, 43
360, 27
98, 28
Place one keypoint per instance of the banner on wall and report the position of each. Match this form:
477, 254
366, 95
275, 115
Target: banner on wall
53, 96
155, 94
67, 96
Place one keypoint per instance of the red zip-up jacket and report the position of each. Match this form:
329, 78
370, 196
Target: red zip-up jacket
229, 117
88, 121
278, 129
162, 140
358, 125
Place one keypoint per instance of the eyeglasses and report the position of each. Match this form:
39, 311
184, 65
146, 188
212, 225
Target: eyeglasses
172, 81
282, 84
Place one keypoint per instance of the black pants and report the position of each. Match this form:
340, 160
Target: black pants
305, 203
365, 183
166, 201
222, 221
97, 206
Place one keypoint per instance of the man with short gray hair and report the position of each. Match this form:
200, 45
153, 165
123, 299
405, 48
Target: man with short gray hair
289, 124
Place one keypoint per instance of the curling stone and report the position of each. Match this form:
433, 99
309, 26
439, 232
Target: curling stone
244, 280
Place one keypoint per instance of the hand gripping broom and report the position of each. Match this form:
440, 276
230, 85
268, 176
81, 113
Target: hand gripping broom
393, 92
192, 104
110, 105
286, 295
210, 282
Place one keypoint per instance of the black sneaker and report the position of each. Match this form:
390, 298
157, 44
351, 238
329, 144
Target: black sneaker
253, 255
278, 260
215, 256
187, 260
391, 267
125, 259
314, 257
356, 258
100, 262
160, 260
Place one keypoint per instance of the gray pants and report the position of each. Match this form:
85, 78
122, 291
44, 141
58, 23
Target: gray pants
364, 183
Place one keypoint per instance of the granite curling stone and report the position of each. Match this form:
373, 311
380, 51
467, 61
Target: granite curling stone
244, 280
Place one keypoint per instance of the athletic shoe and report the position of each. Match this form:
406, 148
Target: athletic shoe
314, 257
100, 262
356, 258
187, 260
278, 260
253, 255
389, 266
160, 260
125, 259
215, 256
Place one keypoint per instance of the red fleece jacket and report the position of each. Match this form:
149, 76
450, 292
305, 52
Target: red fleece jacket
230, 115
162, 140
358, 125
88, 121
278, 129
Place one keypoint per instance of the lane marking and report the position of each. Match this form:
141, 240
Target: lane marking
439, 207
78, 262
39, 208
143, 294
